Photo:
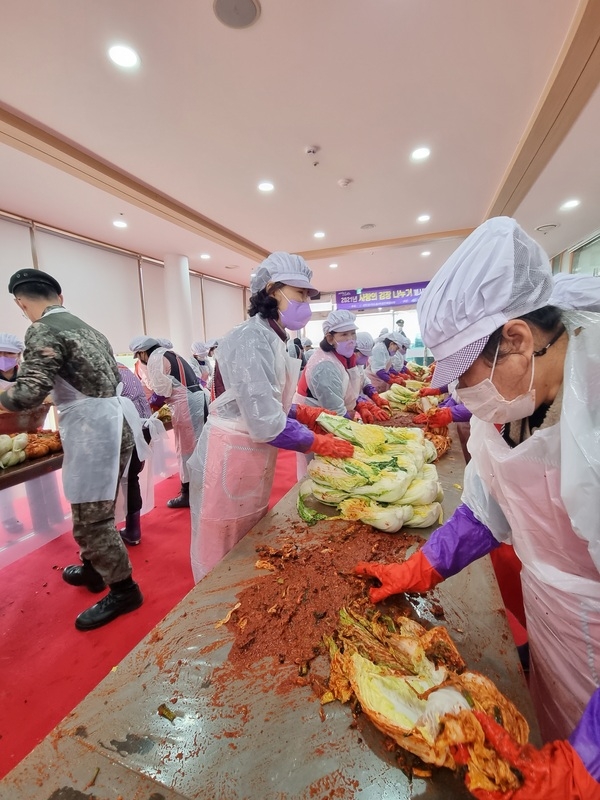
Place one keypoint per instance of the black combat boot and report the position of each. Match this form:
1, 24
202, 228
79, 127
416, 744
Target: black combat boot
132, 533
124, 596
84, 575
183, 498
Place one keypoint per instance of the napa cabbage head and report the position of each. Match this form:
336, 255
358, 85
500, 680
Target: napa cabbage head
425, 516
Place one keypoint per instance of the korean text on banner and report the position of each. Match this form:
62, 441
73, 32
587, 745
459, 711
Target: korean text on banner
380, 296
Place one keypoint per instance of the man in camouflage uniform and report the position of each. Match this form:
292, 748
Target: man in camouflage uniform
61, 346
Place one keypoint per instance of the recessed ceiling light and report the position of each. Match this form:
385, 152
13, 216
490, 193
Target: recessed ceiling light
266, 186
204, 256
423, 218
319, 235
570, 204
123, 56
231, 266
426, 253
333, 266
120, 223
420, 154
253, 274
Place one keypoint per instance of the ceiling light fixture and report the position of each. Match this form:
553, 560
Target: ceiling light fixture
319, 235
204, 256
367, 226
570, 204
266, 186
123, 56
237, 13
231, 266
426, 253
120, 223
333, 266
420, 154
423, 218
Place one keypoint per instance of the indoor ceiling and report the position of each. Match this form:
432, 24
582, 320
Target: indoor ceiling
503, 93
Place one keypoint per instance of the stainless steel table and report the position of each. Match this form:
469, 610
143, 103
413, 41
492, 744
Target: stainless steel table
246, 740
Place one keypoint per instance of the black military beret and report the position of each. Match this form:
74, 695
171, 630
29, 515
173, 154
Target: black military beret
31, 276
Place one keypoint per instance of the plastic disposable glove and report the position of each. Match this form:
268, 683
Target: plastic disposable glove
156, 401
398, 380
307, 415
439, 418
329, 445
381, 414
365, 412
414, 575
379, 400
556, 772
427, 391
408, 374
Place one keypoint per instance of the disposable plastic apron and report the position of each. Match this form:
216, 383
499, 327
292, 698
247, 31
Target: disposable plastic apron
380, 386
187, 415
561, 586
231, 477
351, 380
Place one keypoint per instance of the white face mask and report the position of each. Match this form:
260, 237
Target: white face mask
485, 401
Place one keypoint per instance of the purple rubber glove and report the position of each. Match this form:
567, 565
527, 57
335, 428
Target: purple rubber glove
585, 739
294, 436
369, 390
460, 413
156, 401
393, 371
383, 375
458, 542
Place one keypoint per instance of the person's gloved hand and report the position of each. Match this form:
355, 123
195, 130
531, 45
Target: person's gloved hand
365, 412
408, 374
156, 401
307, 415
329, 445
439, 418
381, 414
414, 575
556, 772
427, 391
379, 401
398, 380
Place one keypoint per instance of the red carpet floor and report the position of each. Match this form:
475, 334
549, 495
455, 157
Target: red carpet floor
46, 666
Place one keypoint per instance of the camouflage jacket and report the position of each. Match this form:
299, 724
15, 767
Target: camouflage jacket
60, 344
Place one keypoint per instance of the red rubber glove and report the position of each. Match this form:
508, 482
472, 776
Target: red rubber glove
441, 417
379, 400
381, 414
398, 379
556, 772
410, 375
414, 575
364, 412
427, 391
307, 415
329, 445
420, 419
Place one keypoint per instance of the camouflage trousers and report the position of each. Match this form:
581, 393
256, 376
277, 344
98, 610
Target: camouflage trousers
94, 527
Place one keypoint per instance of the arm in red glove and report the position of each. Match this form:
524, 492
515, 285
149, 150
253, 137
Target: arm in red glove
307, 415
408, 374
444, 416
329, 445
364, 410
556, 772
427, 391
398, 379
379, 401
454, 545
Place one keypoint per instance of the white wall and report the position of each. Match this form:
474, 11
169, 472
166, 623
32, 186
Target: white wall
197, 313
15, 254
155, 307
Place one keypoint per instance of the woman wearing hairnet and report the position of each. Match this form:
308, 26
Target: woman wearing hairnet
234, 462
530, 374
204, 366
380, 369
375, 407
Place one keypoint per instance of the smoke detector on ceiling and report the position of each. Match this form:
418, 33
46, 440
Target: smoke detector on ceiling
547, 228
344, 182
237, 13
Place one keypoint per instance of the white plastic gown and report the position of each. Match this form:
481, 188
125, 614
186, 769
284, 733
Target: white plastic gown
378, 360
543, 496
187, 408
232, 468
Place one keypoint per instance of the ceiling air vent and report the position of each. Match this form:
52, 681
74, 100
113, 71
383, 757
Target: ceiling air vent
547, 228
237, 13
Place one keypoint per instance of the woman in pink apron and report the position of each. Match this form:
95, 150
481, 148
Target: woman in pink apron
530, 374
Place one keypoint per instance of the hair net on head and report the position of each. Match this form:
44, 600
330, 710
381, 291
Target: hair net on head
574, 292
165, 343
364, 343
10, 344
306, 343
212, 343
200, 349
498, 273
383, 331
398, 338
142, 343
339, 321
285, 268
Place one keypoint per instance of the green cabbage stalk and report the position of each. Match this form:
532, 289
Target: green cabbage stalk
305, 513
325, 494
334, 476
5, 444
389, 488
370, 437
388, 518
425, 516
20, 442
421, 492
12, 458
403, 435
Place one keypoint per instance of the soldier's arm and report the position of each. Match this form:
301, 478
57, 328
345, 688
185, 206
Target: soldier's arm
42, 359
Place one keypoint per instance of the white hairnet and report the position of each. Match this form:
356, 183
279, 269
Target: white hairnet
212, 343
142, 343
306, 343
364, 343
398, 338
200, 349
165, 343
574, 292
498, 273
10, 344
285, 268
383, 331
339, 321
